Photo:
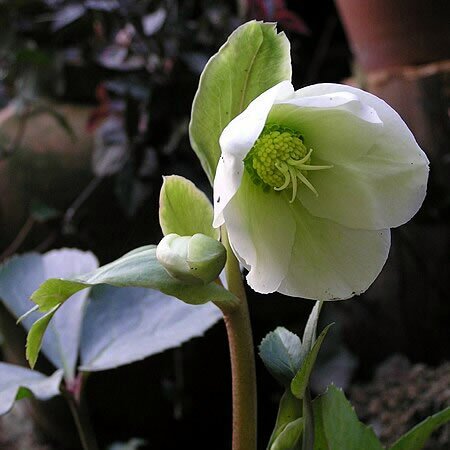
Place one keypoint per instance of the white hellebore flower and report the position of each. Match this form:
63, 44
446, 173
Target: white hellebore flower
309, 183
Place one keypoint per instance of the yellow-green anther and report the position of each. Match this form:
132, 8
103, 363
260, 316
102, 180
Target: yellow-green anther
278, 158
196, 259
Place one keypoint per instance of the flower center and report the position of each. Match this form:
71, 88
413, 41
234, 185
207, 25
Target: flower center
278, 158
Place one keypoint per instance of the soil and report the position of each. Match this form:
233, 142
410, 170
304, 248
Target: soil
400, 396
17, 430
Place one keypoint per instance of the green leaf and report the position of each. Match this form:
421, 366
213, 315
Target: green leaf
138, 268
337, 426
301, 379
55, 291
184, 209
290, 409
35, 335
253, 59
289, 438
309, 335
415, 438
280, 352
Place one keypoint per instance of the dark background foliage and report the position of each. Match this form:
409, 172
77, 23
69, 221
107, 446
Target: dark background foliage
136, 65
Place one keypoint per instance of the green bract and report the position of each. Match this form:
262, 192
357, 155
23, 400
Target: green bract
309, 183
254, 58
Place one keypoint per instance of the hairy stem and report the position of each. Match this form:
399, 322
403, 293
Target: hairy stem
240, 341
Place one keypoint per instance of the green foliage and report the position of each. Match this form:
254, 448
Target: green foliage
415, 438
291, 362
337, 426
253, 59
301, 379
280, 352
36, 334
55, 291
138, 268
184, 209
309, 335
289, 411
289, 438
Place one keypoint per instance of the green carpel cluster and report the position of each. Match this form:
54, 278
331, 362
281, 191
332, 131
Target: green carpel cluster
278, 158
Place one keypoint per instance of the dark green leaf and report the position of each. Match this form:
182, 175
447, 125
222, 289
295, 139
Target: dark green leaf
289, 438
337, 427
35, 335
290, 409
416, 438
301, 379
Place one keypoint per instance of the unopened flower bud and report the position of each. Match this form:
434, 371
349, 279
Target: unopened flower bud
196, 259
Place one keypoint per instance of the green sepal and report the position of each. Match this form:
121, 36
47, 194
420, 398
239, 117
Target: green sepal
253, 59
196, 259
289, 411
184, 209
301, 379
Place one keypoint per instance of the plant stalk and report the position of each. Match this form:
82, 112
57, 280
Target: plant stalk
240, 341
80, 414
308, 428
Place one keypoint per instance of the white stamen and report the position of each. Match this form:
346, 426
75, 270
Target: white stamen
294, 183
308, 184
287, 179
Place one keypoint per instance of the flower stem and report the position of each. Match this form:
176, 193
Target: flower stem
240, 341
308, 429
78, 408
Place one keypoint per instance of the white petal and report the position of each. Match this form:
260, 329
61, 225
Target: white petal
383, 188
261, 230
371, 193
236, 140
339, 100
337, 126
332, 262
